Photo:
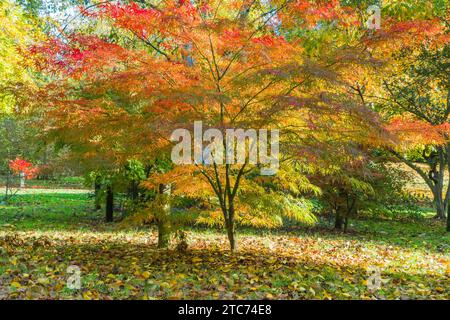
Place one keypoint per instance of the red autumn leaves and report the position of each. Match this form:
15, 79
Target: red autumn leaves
20, 166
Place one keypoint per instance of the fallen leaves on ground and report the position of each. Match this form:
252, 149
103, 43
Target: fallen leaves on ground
41, 237
128, 266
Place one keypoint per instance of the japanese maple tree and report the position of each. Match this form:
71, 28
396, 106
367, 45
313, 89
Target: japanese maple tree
229, 64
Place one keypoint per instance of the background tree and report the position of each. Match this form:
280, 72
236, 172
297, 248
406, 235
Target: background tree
410, 88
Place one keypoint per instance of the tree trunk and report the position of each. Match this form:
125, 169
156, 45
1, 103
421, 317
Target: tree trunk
437, 175
440, 207
134, 190
448, 218
440, 212
338, 222
163, 223
230, 229
231, 239
109, 204
351, 209
447, 195
22, 179
163, 235
439, 203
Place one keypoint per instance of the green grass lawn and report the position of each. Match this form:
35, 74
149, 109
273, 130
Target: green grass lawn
41, 234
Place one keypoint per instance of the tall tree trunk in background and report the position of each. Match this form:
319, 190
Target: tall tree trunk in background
351, 209
134, 190
109, 204
165, 191
447, 148
339, 219
439, 204
436, 174
448, 218
348, 213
